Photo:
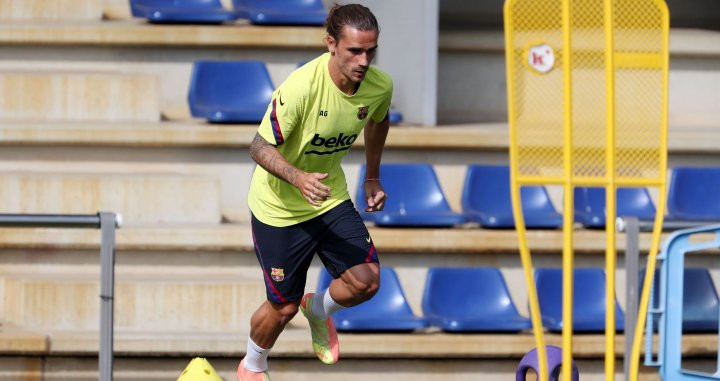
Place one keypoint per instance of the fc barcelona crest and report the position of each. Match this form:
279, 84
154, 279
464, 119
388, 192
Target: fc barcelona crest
277, 275
363, 112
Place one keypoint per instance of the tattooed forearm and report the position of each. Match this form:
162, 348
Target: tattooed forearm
290, 173
257, 145
268, 157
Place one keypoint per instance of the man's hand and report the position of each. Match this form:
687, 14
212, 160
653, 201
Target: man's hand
375, 195
311, 188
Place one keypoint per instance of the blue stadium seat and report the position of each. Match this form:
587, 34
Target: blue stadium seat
281, 12
414, 198
388, 310
486, 200
590, 205
589, 300
691, 195
470, 300
395, 117
181, 11
230, 91
700, 300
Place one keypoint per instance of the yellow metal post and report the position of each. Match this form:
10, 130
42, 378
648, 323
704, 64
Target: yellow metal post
664, 63
519, 220
568, 264
610, 189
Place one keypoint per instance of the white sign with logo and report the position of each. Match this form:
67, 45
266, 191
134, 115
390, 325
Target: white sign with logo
541, 58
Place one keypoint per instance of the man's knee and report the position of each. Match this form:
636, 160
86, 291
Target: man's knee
285, 311
367, 290
365, 287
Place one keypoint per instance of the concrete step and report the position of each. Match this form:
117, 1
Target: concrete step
405, 357
159, 303
385, 357
295, 343
15, 340
51, 10
237, 237
116, 10
79, 96
695, 138
138, 32
162, 368
147, 199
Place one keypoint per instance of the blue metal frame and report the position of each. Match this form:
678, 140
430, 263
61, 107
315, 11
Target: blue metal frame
670, 307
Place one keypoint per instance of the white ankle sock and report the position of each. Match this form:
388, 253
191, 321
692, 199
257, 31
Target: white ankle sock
324, 306
256, 357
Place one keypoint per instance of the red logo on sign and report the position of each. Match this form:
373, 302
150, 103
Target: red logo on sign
537, 59
541, 58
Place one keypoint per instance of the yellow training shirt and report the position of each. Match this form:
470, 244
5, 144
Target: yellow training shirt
313, 124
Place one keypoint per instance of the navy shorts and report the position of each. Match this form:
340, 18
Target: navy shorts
339, 236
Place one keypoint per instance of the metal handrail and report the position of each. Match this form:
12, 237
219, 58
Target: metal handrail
668, 225
107, 222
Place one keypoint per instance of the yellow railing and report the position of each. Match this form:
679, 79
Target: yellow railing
587, 106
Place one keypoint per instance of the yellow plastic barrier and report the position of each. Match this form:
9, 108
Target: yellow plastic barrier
587, 106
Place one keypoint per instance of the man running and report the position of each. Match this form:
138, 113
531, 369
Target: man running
298, 195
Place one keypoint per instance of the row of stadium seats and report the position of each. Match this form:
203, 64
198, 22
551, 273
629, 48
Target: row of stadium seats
262, 12
416, 199
477, 300
234, 92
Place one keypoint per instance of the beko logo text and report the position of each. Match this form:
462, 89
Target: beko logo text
341, 142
